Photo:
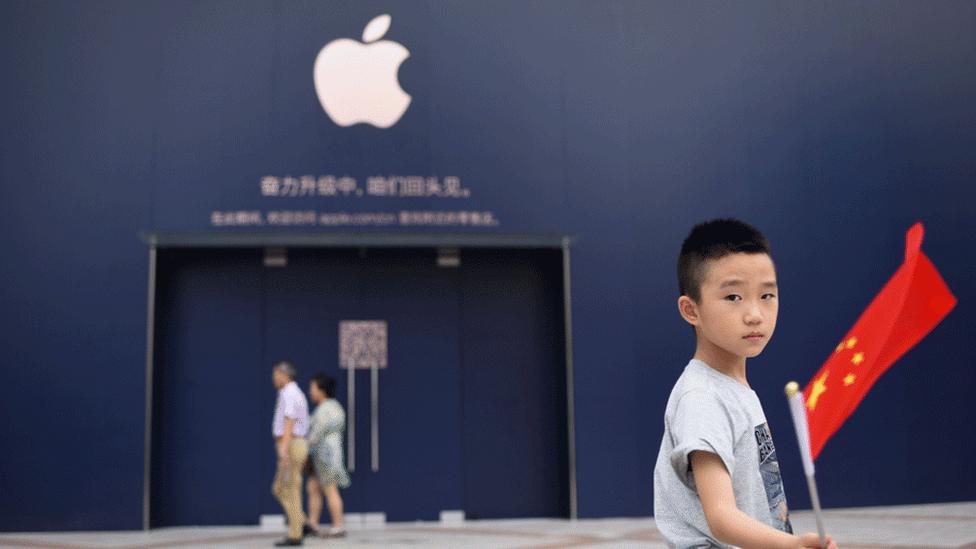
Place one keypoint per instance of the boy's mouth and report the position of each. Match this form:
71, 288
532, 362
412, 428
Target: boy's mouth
755, 336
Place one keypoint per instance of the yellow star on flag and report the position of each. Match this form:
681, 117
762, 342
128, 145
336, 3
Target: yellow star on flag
858, 359
840, 347
819, 387
849, 380
851, 342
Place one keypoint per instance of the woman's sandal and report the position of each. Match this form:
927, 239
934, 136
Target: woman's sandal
334, 533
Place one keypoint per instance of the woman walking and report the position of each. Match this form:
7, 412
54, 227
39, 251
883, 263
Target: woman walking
326, 471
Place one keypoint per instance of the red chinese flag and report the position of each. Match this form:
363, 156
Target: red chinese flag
911, 303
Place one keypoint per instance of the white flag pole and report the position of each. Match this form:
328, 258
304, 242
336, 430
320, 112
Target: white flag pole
799, 413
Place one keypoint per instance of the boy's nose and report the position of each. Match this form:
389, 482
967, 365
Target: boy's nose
754, 316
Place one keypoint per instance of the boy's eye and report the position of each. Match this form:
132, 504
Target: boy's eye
769, 296
733, 297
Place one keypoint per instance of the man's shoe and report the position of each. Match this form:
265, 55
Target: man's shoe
288, 542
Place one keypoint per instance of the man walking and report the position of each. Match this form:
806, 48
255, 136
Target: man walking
289, 428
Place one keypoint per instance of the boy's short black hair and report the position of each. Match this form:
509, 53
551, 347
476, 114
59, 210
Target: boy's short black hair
325, 383
711, 240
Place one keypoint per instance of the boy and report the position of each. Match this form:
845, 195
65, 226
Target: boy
717, 481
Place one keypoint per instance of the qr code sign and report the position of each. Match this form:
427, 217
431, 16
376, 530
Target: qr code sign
362, 343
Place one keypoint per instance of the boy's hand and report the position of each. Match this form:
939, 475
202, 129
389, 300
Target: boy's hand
813, 541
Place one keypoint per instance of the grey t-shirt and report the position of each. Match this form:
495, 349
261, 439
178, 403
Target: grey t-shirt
712, 412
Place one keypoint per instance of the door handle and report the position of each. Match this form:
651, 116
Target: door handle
375, 438
351, 431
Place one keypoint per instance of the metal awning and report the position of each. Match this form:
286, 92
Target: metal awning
353, 240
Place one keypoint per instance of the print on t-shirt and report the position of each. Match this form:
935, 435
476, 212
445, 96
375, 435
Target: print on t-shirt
772, 480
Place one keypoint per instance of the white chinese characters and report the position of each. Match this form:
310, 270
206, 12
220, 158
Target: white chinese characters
392, 186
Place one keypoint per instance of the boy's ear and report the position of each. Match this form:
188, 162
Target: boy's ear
688, 310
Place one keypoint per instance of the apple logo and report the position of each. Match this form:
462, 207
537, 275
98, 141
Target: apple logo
357, 81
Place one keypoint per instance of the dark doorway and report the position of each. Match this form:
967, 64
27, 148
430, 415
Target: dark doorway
471, 409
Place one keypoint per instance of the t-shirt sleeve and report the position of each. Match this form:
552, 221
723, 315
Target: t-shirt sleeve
701, 423
292, 405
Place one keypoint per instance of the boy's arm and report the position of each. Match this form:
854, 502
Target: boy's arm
726, 521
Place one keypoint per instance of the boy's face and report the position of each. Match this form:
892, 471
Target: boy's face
738, 305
